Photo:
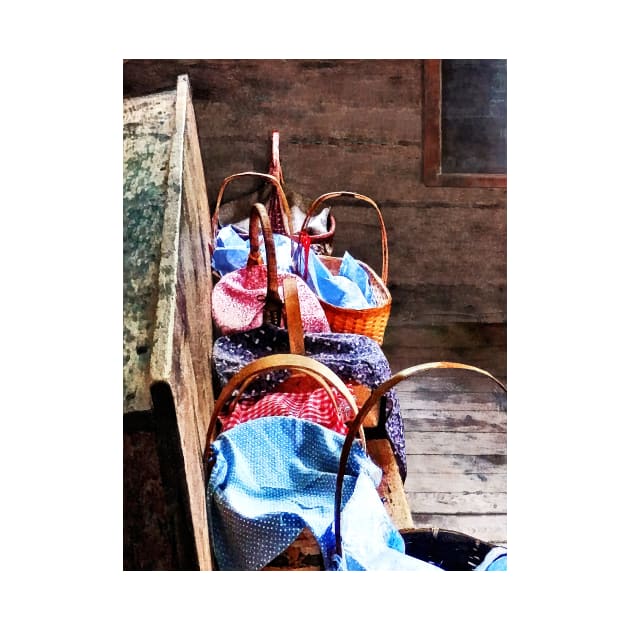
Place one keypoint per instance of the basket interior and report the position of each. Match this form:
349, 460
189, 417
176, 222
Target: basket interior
451, 551
379, 290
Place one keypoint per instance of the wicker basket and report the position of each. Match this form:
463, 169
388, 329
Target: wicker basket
371, 321
286, 210
304, 553
214, 222
322, 242
451, 551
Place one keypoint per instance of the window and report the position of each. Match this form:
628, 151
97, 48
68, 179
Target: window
465, 122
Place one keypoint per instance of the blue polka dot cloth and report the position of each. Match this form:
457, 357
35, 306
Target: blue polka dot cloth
273, 476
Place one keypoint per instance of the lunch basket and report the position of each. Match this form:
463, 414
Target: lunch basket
284, 208
245, 298
320, 240
280, 194
449, 550
370, 321
233, 550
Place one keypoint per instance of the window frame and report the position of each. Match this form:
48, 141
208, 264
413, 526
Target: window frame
432, 138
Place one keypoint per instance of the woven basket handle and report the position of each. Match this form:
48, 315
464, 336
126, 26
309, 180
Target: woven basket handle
323, 375
334, 195
272, 310
274, 166
293, 316
276, 213
374, 398
283, 201
295, 329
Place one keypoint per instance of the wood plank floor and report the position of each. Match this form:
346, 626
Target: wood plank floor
455, 427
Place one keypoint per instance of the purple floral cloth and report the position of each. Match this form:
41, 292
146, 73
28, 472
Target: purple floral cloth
352, 357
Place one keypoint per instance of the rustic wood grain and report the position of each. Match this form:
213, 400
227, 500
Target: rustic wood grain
466, 464
353, 125
460, 443
357, 125
176, 367
469, 420
454, 482
458, 502
148, 127
484, 346
391, 488
456, 432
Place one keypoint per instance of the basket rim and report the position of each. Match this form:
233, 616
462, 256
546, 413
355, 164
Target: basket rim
374, 279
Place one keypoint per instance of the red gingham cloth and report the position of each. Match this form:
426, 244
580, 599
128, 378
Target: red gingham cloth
291, 400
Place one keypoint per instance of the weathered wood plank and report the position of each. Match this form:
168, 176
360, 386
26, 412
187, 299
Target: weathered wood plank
186, 317
490, 359
490, 528
391, 487
149, 124
195, 274
434, 387
461, 464
461, 336
432, 403
479, 421
432, 394
450, 442
342, 122
478, 502
445, 482
463, 407
176, 354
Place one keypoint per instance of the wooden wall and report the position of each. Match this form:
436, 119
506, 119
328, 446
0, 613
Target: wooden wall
353, 125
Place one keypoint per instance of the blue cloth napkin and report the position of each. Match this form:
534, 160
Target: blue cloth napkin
273, 476
351, 288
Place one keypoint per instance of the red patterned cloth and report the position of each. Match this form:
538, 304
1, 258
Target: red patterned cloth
238, 300
291, 400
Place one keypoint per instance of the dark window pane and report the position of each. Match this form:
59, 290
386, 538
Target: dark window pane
474, 116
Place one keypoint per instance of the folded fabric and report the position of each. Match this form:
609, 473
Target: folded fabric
230, 251
351, 269
312, 404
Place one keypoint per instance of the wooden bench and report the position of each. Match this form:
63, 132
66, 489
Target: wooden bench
391, 489
167, 334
